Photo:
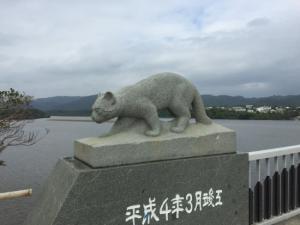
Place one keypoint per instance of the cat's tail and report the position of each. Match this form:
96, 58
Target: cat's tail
199, 109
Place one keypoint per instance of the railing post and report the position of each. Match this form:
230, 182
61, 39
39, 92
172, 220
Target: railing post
258, 195
251, 196
284, 187
267, 186
296, 179
292, 184
276, 189
298, 182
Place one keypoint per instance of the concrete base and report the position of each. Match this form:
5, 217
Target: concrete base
292, 221
210, 190
132, 146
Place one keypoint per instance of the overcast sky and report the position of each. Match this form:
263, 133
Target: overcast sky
72, 47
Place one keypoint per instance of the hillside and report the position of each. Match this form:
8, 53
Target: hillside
79, 106
65, 105
52, 103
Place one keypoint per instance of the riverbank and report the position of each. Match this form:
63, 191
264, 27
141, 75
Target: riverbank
228, 113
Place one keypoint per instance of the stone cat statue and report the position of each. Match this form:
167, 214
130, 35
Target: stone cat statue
144, 99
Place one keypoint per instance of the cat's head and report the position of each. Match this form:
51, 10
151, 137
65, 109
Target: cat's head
104, 108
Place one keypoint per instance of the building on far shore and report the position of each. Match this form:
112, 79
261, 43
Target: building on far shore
264, 109
239, 109
279, 110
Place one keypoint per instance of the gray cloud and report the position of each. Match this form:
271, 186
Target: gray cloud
8, 39
78, 48
258, 22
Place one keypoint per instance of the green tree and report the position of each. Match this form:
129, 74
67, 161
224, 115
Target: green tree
14, 108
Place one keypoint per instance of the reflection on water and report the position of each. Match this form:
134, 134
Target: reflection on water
30, 166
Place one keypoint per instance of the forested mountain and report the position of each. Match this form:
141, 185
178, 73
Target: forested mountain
76, 105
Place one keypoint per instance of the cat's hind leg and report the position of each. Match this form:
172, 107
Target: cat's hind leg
151, 117
183, 116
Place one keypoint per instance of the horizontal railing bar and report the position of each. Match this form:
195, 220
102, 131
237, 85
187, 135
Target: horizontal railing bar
280, 218
274, 152
15, 194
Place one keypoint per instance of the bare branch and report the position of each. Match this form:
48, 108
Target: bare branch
13, 114
16, 135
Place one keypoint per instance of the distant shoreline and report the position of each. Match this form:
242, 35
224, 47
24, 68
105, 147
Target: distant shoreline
88, 119
74, 119
70, 118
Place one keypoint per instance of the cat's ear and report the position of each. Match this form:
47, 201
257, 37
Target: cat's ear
109, 96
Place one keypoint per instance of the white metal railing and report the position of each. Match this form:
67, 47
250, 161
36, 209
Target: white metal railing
274, 184
274, 152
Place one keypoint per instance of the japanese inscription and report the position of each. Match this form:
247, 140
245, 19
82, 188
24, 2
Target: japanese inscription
151, 212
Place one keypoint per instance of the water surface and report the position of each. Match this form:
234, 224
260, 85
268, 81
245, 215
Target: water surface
30, 166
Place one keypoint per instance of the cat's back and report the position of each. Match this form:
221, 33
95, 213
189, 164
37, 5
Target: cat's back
162, 83
165, 78
159, 88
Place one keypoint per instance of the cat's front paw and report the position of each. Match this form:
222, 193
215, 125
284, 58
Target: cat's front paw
153, 133
177, 129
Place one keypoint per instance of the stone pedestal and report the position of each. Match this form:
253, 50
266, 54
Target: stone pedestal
193, 189
132, 146
210, 190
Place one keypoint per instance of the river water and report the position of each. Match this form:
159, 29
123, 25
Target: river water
29, 166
